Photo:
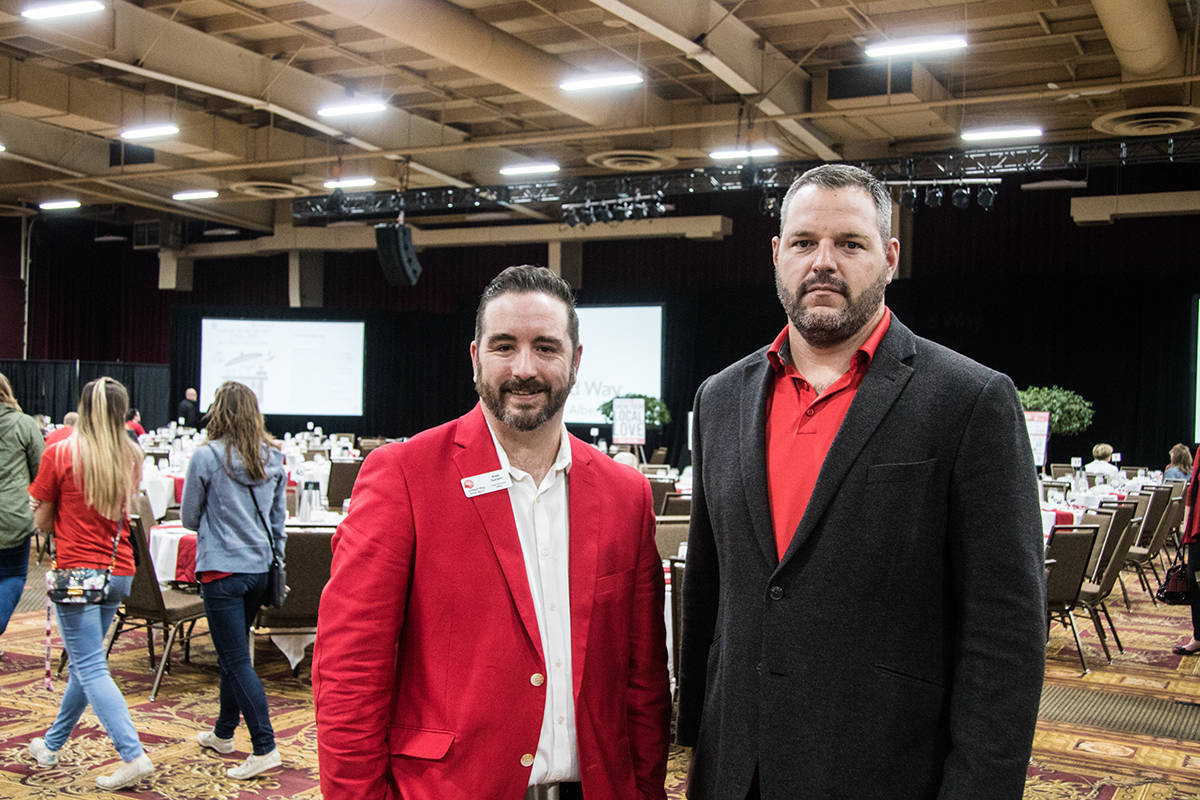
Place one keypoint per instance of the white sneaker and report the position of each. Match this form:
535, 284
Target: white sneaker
44, 756
213, 742
129, 773
254, 765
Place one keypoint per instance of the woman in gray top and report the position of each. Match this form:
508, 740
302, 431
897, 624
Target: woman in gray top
20, 452
234, 499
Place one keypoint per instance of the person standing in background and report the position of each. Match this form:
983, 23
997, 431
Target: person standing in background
188, 410
60, 433
20, 452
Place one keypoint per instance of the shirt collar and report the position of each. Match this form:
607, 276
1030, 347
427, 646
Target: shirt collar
780, 357
562, 460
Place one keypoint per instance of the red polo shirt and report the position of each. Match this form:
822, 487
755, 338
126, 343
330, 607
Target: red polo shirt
801, 427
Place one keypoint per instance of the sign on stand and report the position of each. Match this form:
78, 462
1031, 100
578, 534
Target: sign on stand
629, 420
1038, 424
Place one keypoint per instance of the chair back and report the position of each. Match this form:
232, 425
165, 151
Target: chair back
309, 557
366, 444
669, 532
676, 504
341, 481
145, 595
1177, 487
1061, 470
1110, 569
1061, 486
659, 456
1102, 519
1122, 513
659, 489
1159, 496
1166, 523
142, 507
1069, 548
1132, 472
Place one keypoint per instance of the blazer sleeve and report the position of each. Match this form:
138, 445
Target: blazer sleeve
648, 696
359, 624
700, 596
997, 583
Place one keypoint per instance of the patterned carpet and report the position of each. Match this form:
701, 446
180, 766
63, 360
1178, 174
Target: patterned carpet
1070, 761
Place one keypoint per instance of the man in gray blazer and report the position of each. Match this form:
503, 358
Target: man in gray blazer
864, 602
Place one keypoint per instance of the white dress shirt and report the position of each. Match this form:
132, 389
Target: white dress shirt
542, 526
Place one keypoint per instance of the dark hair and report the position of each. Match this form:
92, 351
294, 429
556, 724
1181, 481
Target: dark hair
130, 414
525, 279
840, 176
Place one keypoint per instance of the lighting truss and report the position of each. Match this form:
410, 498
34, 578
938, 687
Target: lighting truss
944, 168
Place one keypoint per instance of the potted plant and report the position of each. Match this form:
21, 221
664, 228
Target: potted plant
657, 413
1070, 414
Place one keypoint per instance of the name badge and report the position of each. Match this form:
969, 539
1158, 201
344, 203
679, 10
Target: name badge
486, 482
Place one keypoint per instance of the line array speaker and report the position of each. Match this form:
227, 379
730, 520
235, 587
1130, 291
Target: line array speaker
393, 244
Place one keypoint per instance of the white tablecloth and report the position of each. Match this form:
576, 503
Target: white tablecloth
161, 491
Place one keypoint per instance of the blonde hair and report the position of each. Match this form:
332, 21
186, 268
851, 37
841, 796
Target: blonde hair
1102, 451
6, 393
234, 417
103, 456
1181, 457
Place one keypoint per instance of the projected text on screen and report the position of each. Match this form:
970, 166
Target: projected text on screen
293, 366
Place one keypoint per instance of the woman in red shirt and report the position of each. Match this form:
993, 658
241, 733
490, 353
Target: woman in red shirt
82, 489
1191, 540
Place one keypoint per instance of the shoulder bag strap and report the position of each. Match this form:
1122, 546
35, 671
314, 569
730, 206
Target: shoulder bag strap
263, 520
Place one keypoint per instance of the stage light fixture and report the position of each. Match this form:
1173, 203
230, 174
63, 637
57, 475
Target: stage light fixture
933, 196
961, 197
986, 197
909, 197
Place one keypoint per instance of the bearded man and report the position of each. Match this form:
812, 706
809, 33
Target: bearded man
493, 623
863, 601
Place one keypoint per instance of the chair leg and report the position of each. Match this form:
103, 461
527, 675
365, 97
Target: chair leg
1124, 593
187, 643
1078, 645
1154, 569
150, 641
1095, 617
163, 664
1111, 627
115, 634
62, 663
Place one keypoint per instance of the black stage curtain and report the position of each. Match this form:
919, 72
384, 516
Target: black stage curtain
52, 387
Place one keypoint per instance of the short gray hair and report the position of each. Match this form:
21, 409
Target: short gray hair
840, 176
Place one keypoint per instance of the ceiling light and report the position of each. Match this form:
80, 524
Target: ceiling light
222, 232
961, 197
2, 148
986, 134
196, 194
52, 10
764, 151
349, 183
986, 197
58, 205
109, 237
926, 44
351, 108
150, 131
529, 169
606, 81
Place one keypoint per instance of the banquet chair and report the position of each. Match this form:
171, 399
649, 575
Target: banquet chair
1061, 486
341, 481
309, 557
1093, 596
676, 614
676, 504
659, 456
1141, 557
1159, 496
1177, 487
659, 489
669, 532
151, 604
1132, 472
366, 444
1068, 549
1061, 470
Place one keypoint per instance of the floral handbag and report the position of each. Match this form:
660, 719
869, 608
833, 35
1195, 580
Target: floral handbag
82, 585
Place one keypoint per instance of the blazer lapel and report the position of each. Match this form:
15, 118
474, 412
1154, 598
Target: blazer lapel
584, 511
752, 446
476, 455
885, 379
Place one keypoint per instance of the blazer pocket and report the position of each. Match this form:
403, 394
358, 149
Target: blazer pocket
908, 472
614, 582
908, 676
419, 742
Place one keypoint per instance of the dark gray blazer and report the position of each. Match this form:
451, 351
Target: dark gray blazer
897, 649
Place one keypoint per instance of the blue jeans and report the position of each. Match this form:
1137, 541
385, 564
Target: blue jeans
14, 564
231, 604
82, 628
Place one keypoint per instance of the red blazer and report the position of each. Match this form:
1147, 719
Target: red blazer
427, 639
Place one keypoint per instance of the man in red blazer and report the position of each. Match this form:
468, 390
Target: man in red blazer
493, 624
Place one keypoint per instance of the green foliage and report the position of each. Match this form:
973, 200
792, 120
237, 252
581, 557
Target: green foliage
657, 413
1069, 412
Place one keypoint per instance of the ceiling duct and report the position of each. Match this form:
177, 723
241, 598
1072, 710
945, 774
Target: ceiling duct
880, 86
1145, 42
1149, 121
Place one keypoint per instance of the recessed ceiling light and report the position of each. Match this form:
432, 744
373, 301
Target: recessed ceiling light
925, 44
52, 10
353, 107
196, 194
349, 183
985, 134
529, 169
150, 131
221, 232
607, 80
58, 205
765, 151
